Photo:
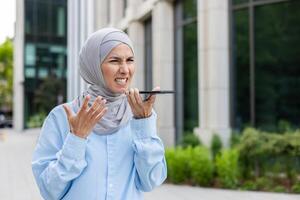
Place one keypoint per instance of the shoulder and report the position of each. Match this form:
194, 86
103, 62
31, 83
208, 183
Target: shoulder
57, 116
59, 111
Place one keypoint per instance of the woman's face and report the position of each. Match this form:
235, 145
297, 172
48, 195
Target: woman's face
118, 68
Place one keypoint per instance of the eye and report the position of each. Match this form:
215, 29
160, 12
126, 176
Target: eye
113, 61
130, 60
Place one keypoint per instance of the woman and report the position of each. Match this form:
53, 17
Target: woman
102, 145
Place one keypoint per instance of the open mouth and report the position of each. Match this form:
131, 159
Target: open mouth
121, 81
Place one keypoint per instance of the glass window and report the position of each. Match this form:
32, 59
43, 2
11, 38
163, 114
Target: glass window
186, 68
29, 20
44, 52
190, 76
241, 70
240, 1
43, 17
277, 64
189, 9
61, 22
148, 54
30, 54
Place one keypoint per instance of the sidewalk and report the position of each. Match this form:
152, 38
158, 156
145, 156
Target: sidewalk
17, 183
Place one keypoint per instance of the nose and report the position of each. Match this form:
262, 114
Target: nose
124, 69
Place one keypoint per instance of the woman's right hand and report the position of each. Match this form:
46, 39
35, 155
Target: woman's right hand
82, 123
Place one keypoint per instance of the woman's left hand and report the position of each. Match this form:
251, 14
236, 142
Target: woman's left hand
140, 108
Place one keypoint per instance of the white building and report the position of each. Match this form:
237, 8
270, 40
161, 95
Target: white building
230, 61
151, 24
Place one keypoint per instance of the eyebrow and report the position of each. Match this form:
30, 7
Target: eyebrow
117, 57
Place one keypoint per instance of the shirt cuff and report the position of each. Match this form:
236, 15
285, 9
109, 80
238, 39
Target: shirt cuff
74, 147
144, 127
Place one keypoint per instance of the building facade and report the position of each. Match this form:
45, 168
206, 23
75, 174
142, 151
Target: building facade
171, 53
233, 63
40, 59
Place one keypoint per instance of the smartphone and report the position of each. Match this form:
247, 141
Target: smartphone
158, 92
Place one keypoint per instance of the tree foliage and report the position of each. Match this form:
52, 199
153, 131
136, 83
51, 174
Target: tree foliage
6, 75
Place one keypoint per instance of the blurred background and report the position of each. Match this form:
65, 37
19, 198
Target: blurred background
235, 65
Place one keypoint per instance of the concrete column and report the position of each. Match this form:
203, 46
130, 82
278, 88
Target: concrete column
18, 93
136, 34
213, 46
163, 67
101, 13
116, 11
80, 25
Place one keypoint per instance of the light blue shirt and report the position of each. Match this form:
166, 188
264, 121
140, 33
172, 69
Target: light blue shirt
122, 165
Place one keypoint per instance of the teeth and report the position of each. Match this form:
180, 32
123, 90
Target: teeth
121, 80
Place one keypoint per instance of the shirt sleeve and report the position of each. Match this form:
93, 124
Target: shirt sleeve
149, 158
57, 160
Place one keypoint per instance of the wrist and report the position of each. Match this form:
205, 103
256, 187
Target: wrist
79, 134
145, 115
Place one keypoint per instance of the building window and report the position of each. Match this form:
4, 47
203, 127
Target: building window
45, 55
186, 67
148, 54
266, 62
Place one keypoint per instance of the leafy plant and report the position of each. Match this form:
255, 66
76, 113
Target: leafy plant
201, 166
216, 145
6, 75
178, 164
36, 120
227, 168
190, 139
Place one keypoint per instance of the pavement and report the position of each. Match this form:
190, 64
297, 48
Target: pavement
17, 182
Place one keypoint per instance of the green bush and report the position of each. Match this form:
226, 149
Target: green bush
264, 183
249, 185
235, 139
189, 165
190, 139
296, 188
201, 166
279, 188
227, 168
216, 145
262, 151
36, 120
178, 164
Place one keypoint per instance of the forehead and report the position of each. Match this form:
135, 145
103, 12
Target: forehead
121, 50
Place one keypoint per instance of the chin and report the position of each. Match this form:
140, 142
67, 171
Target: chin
119, 90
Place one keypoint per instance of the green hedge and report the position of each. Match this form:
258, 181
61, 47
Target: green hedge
256, 161
263, 152
189, 165
227, 168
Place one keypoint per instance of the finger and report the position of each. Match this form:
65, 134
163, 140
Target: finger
131, 96
137, 97
101, 114
85, 106
95, 105
99, 109
68, 111
129, 100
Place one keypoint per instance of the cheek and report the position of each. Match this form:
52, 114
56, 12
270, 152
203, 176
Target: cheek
132, 70
108, 73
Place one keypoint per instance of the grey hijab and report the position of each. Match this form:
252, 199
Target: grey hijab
91, 56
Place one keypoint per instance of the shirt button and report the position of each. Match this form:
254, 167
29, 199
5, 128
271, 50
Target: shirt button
110, 185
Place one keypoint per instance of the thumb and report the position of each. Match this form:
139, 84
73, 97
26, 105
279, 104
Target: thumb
68, 111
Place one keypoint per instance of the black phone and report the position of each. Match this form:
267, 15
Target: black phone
158, 92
